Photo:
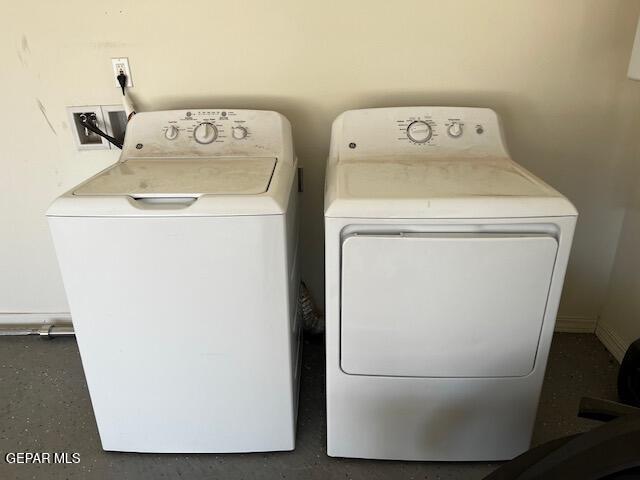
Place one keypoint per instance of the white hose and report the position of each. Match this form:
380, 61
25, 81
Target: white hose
127, 103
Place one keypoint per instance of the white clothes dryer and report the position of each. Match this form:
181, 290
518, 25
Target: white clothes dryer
445, 261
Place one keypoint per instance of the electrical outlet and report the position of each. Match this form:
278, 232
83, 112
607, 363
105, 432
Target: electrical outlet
121, 65
84, 138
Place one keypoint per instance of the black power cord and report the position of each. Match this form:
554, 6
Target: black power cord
97, 131
122, 80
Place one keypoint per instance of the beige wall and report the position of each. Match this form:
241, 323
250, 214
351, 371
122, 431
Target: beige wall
620, 321
555, 71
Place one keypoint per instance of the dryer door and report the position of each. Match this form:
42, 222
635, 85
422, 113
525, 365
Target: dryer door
444, 305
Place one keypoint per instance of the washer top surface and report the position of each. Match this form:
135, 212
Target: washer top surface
195, 162
183, 178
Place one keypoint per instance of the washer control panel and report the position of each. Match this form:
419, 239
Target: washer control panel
206, 126
205, 132
418, 130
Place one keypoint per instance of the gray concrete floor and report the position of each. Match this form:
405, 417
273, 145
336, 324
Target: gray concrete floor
44, 407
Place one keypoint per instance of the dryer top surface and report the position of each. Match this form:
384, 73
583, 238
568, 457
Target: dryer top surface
447, 187
416, 177
430, 162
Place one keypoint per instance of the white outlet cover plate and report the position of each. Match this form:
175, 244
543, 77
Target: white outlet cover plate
118, 64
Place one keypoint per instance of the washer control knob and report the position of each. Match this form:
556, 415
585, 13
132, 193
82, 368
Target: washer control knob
419, 131
455, 130
239, 133
205, 133
171, 132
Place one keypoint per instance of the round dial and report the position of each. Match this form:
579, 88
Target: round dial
239, 133
454, 130
172, 132
205, 133
419, 131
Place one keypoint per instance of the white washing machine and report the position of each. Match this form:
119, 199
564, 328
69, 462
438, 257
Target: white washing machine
180, 267
444, 266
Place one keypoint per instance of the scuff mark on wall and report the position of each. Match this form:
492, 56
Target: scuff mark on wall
25, 44
24, 48
22, 60
44, 114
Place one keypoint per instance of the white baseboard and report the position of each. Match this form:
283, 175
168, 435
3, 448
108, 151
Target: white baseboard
34, 318
612, 341
575, 324
564, 323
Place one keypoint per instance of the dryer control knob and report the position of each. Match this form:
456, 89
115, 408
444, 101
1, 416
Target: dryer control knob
239, 133
205, 133
419, 131
454, 130
171, 133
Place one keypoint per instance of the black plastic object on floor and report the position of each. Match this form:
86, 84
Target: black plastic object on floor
312, 319
629, 376
610, 451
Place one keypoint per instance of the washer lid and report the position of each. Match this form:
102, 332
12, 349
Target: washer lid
181, 177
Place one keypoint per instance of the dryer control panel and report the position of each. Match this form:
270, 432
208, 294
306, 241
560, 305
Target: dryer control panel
441, 131
206, 132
